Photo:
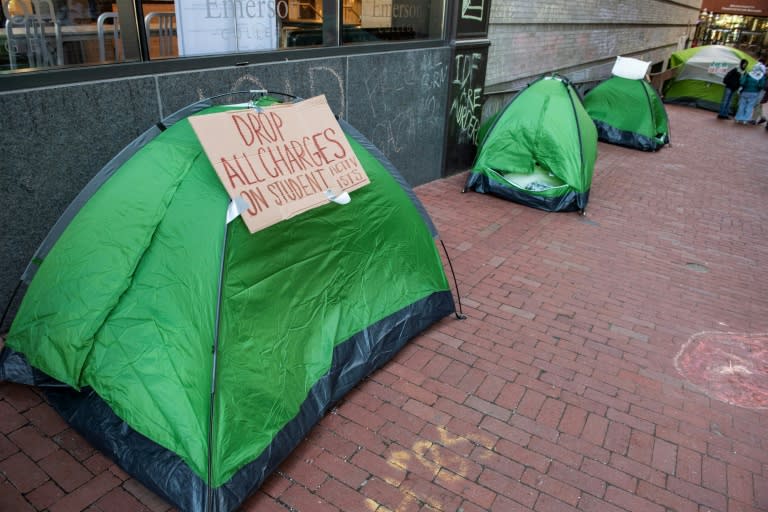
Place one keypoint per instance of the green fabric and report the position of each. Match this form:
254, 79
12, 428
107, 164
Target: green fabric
701, 71
125, 302
629, 105
544, 130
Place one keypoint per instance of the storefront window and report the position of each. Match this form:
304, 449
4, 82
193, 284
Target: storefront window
53, 33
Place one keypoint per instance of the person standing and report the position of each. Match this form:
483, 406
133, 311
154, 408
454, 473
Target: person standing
757, 115
732, 82
751, 85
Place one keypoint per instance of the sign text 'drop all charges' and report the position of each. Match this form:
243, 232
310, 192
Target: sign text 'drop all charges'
282, 159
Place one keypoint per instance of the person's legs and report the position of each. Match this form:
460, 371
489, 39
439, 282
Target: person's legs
757, 112
725, 105
746, 106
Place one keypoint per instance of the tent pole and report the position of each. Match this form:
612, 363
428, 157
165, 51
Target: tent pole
215, 351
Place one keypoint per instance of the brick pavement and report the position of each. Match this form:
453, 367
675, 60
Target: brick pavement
559, 392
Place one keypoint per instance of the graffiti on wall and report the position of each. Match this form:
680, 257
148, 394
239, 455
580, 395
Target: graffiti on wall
467, 92
465, 106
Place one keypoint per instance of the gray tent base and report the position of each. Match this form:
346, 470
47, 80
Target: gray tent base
569, 202
167, 475
612, 135
695, 102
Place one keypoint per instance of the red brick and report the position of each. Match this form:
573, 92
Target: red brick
392, 497
522, 455
631, 501
573, 420
118, 500
45, 419
547, 503
489, 459
11, 500
65, 470
549, 485
147, 498
328, 440
740, 484
555, 452
379, 467
19, 396
300, 498
22, 472
86, 495
641, 447
586, 449
303, 471
665, 498
361, 416
487, 408
595, 429
504, 504
45, 495
343, 497
97, 463
465, 488
413, 462
260, 502
32, 442
664, 456
341, 470
577, 478
415, 392
696, 493
688, 465
551, 412
10, 419
503, 485
438, 496
617, 438
610, 475
454, 462
426, 413
275, 485
444, 437
407, 418
7, 448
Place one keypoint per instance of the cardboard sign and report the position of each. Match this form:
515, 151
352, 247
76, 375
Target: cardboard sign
283, 159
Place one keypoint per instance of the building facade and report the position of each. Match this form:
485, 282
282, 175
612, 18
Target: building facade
414, 76
743, 25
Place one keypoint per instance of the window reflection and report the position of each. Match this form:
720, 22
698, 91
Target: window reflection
46, 33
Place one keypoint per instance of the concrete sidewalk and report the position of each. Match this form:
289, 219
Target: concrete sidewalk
613, 362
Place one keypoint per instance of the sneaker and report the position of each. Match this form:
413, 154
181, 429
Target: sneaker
761, 120
719, 116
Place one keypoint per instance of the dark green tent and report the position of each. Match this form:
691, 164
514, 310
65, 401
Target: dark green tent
540, 149
196, 354
628, 112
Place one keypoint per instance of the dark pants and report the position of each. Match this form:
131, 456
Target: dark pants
725, 105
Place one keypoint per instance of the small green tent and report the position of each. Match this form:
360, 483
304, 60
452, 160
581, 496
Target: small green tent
540, 149
628, 112
698, 81
197, 354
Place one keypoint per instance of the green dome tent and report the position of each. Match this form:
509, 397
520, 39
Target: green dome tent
540, 149
198, 355
699, 79
628, 112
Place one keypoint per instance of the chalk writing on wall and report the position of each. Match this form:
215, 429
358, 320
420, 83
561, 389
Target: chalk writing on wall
400, 116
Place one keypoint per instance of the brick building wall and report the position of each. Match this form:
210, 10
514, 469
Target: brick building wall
579, 40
